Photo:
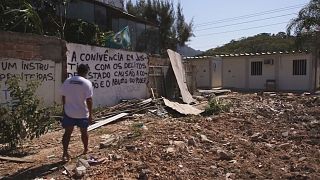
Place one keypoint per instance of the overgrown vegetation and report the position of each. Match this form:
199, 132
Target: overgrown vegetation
23, 118
264, 42
136, 129
216, 106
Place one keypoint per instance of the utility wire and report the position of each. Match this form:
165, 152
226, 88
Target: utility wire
250, 15
224, 32
245, 22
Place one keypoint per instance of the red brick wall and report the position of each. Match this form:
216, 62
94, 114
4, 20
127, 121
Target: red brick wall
31, 47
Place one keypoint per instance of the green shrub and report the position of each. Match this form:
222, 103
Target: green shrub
215, 106
23, 118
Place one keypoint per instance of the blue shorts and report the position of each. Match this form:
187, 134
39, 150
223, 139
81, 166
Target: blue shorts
80, 122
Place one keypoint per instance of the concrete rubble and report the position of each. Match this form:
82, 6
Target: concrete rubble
263, 136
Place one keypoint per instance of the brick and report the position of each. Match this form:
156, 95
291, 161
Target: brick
27, 55
9, 46
19, 54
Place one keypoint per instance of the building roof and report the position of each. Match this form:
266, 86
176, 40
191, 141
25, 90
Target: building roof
248, 54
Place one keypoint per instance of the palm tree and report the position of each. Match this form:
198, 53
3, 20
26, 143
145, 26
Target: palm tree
308, 19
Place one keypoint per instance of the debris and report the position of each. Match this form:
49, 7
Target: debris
216, 92
69, 168
15, 159
223, 155
83, 162
106, 121
179, 72
182, 108
192, 141
51, 156
179, 143
285, 134
107, 142
230, 176
170, 150
205, 139
80, 171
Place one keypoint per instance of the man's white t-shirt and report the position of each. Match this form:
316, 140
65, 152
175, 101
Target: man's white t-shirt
76, 90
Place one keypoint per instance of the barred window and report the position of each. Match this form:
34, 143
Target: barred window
299, 67
256, 68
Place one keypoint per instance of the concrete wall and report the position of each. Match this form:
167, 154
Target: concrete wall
207, 72
287, 81
236, 72
202, 71
216, 73
32, 57
115, 74
268, 73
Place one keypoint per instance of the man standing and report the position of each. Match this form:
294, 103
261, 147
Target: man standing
77, 94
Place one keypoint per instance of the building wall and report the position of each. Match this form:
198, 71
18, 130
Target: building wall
115, 74
237, 72
32, 57
234, 72
268, 73
287, 81
202, 71
216, 73
207, 72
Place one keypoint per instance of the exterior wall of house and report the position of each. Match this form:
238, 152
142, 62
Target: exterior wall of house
202, 71
276, 68
216, 73
31, 57
234, 72
268, 73
288, 81
207, 72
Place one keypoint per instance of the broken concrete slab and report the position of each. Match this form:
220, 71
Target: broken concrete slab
179, 72
185, 109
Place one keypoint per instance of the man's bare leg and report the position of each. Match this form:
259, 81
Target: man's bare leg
65, 142
85, 139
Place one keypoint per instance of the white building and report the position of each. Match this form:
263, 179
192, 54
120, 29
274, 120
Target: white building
206, 71
279, 71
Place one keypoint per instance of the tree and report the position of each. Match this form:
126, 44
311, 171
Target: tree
184, 30
19, 15
173, 30
308, 19
263, 42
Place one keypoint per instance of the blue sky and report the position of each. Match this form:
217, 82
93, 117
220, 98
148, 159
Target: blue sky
217, 22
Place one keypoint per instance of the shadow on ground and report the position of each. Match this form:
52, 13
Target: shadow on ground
34, 172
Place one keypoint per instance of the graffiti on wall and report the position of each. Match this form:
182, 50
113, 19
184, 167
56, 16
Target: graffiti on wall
115, 74
42, 71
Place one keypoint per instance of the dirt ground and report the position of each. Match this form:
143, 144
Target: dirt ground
264, 136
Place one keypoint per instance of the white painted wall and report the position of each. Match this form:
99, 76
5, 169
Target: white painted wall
268, 72
234, 72
216, 73
202, 68
47, 72
115, 74
287, 81
208, 72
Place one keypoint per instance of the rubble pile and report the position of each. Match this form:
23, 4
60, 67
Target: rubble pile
263, 136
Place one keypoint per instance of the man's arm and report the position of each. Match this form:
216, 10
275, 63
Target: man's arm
89, 104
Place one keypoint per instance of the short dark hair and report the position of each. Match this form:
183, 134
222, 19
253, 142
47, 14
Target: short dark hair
83, 69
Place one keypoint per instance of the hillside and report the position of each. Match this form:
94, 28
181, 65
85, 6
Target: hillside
263, 42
